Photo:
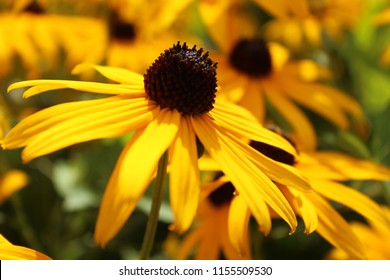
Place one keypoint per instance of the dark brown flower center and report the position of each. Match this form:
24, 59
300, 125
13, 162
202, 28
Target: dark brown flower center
224, 194
183, 79
120, 29
34, 8
274, 152
251, 57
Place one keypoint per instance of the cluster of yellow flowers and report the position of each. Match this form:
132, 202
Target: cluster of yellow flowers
226, 101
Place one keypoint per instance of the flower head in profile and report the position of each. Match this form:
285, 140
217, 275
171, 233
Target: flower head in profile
8, 251
324, 171
252, 72
169, 108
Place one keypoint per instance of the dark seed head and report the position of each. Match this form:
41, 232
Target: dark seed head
224, 194
120, 29
251, 57
183, 79
274, 152
34, 8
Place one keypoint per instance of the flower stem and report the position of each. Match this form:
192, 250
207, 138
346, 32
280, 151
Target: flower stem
157, 197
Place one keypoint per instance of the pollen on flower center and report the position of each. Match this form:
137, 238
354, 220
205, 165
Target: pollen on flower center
251, 57
184, 79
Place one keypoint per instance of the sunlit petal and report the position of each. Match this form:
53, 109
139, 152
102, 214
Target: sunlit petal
184, 177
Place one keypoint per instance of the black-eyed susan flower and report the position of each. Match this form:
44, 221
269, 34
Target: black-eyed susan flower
8, 251
325, 171
136, 27
36, 38
375, 238
252, 71
209, 238
168, 108
302, 21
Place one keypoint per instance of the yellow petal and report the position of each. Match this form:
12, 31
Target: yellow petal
335, 229
120, 75
113, 211
9, 251
139, 163
303, 207
184, 177
238, 225
241, 122
249, 181
11, 182
253, 101
301, 125
39, 86
351, 198
348, 167
276, 171
66, 124
278, 8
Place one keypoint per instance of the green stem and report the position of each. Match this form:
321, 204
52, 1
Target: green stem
158, 193
26, 229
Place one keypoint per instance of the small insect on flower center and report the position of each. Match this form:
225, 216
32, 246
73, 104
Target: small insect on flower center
274, 152
251, 57
184, 79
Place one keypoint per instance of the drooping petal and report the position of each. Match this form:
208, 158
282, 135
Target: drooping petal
66, 124
300, 123
139, 163
241, 122
39, 86
184, 176
133, 172
345, 167
303, 207
249, 181
351, 198
276, 171
8, 251
120, 75
335, 229
319, 98
238, 225
253, 100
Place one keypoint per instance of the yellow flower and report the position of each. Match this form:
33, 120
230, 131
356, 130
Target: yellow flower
252, 72
12, 181
297, 22
209, 236
136, 27
9, 251
323, 170
37, 37
169, 107
375, 238
383, 18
